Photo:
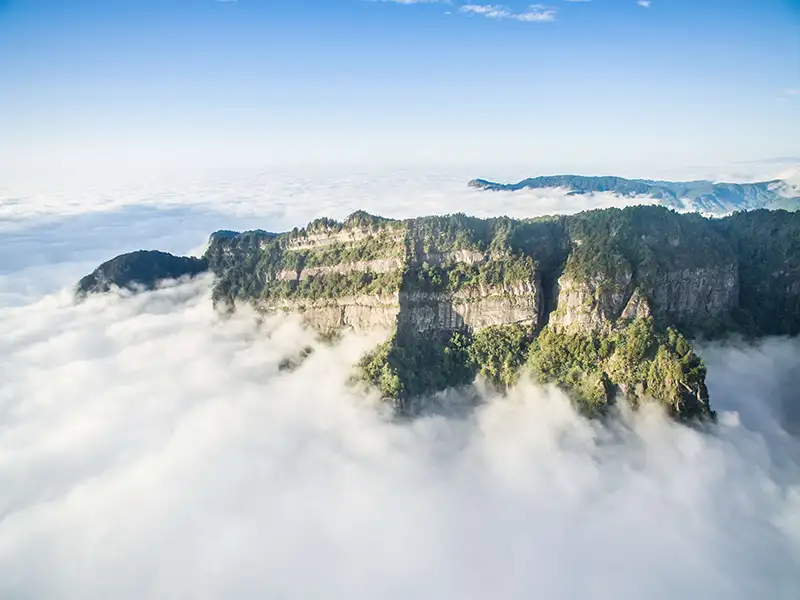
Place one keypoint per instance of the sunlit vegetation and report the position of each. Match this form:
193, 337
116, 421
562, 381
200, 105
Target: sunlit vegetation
335, 285
647, 241
638, 359
455, 276
500, 352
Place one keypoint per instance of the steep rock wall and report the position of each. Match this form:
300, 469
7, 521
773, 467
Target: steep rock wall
688, 296
419, 312
313, 241
591, 304
692, 295
473, 309
361, 313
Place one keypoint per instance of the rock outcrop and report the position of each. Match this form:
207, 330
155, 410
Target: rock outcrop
690, 296
328, 315
699, 294
471, 309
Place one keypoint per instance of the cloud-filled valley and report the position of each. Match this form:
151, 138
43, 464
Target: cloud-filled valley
150, 448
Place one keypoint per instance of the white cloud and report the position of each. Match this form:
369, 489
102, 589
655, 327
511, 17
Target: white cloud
644, 3
793, 92
283, 198
535, 13
418, 1
150, 449
79, 224
789, 185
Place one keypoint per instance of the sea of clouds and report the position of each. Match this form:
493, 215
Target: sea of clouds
151, 449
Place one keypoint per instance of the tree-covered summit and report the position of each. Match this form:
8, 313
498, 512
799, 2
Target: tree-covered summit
142, 269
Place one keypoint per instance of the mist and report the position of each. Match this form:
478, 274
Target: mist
150, 448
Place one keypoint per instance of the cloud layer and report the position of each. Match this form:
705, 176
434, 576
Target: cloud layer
54, 235
151, 449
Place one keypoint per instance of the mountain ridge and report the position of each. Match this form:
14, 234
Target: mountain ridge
700, 195
599, 303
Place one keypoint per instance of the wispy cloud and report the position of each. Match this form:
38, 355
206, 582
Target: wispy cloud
644, 3
418, 1
535, 13
792, 92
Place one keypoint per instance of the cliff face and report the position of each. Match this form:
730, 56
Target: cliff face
594, 302
699, 295
417, 311
374, 273
471, 309
646, 261
364, 312
591, 304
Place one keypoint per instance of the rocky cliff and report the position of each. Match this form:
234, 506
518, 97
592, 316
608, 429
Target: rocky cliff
597, 303
439, 273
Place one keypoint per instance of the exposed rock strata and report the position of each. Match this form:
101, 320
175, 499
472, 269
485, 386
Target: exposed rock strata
349, 312
371, 266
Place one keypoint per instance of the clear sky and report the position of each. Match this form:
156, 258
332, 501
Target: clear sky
206, 82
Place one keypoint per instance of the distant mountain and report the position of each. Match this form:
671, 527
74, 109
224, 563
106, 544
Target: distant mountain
702, 196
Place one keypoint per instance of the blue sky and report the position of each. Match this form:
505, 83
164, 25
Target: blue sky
610, 83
